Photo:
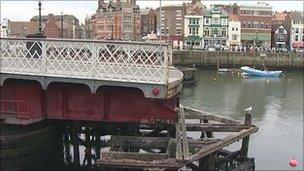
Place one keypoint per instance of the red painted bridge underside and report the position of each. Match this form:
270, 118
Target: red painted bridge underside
26, 100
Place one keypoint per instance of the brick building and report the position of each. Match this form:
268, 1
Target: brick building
119, 20
234, 31
51, 29
21, 28
171, 23
148, 21
71, 28
256, 23
280, 31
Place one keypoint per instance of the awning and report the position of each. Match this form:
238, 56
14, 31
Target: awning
298, 44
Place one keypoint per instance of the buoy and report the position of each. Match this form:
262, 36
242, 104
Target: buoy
293, 162
156, 91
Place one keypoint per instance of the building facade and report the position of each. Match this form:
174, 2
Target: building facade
215, 27
280, 31
234, 31
71, 28
193, 31
20, 28
119, 20
256, 23
297, 30
280, 38
148, 21
171, 24
193, 24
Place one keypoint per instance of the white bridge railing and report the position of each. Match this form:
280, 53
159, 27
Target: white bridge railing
86, 59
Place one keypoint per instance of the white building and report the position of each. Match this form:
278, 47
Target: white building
193, 31
296, 30
234, 31
3, 28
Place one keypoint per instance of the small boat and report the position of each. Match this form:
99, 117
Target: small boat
259, 73
224, 70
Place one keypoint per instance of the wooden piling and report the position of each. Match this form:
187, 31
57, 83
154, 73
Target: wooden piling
245, 142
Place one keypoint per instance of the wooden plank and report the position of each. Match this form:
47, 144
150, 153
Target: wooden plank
155, 142
215, 128
184, 134
223, 143
197, 114
140, 142
245, 141
178, 154
134, 156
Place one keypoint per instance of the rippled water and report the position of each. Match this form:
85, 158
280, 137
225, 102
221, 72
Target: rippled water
277, 110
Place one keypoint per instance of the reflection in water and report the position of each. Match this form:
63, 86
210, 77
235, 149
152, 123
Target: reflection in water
277, 110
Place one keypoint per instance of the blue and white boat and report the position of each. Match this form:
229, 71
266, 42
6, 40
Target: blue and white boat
259, 73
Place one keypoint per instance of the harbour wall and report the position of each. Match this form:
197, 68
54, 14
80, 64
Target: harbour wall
205, 59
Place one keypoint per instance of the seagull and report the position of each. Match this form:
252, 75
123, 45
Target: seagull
249, 109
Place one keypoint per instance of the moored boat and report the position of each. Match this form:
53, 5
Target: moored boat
259, 73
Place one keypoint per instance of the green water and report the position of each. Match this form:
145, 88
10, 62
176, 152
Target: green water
277, 111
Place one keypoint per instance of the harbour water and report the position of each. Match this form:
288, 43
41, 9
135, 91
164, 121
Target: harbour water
277, 110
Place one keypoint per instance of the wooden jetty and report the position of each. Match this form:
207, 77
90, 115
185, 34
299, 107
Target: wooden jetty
179, 150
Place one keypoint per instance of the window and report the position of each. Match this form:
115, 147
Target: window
178, 31
224, 21
303, 38
110, 28
224, 32
236, 29
193, 30
280, 38
296, 38
206, 32
297, 30
281, 30
207, 20
215, 32
127, 19
178, 12
216, 21
234, 37
232, 28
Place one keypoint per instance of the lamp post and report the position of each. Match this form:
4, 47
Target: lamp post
254, 46
61, 24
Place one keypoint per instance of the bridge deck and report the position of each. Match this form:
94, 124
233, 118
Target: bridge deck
128, 64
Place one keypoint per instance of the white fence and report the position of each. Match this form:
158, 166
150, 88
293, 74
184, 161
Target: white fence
96, 60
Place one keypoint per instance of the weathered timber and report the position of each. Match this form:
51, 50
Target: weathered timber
179, 153
215, 127
223, 143
154, 142
135, 156
197, 114
245, 141
140, 142
184, 134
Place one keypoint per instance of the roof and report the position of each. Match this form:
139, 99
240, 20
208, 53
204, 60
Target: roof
296, 16
280, 16
233, 17
22, 27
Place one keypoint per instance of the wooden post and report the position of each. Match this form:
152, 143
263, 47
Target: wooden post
178, 137
245, 142
207, 162
75, 147
218, 62
184, 134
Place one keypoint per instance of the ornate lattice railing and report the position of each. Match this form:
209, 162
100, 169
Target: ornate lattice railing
97, 60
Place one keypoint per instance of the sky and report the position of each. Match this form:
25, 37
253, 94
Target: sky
25, 10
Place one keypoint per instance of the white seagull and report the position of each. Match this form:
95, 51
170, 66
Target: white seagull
249, 109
